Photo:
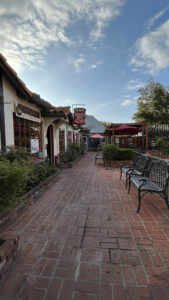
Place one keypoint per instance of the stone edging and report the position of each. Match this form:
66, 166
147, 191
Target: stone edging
27, 199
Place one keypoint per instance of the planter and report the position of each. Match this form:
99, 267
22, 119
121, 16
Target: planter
27, 199
117, 163
8, 247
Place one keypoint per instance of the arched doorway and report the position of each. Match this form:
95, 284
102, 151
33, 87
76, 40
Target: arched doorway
50, 146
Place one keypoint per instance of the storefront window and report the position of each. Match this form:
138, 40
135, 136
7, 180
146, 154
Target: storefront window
24, 131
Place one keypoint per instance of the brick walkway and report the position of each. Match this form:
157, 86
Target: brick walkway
84, 241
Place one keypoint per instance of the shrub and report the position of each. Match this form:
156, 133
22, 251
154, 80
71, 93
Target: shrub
12, 153
40, 172
110, 152
13, 177
125, 154
73, 152
160, 143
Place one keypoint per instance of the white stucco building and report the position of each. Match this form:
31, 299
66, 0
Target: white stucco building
30, 122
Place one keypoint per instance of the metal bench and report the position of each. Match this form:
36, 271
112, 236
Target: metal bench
140, 165
155, 182
99, 155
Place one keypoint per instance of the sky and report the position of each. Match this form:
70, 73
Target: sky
93, 52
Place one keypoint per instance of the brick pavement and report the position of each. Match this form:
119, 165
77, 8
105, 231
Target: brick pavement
82, 240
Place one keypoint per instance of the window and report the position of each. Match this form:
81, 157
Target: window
24, 131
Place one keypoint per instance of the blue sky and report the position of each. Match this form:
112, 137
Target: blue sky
97, 53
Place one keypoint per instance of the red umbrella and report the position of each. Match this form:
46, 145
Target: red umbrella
126, 129
97, 136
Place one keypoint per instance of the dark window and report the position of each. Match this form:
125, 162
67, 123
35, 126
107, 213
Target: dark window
24, 131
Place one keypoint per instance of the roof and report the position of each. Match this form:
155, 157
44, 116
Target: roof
20, 86
92, 122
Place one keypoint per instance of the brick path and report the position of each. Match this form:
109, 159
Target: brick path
82, 240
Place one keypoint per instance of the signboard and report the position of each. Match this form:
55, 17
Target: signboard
79, 116
34, 145
92, 130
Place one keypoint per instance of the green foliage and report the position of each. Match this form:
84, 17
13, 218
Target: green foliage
14, 153
73, 152
40, 173
161, 143
125, 154
153, 104
13, 177
18, 174
110, 152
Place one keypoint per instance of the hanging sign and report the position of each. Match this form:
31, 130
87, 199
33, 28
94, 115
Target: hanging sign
79, 116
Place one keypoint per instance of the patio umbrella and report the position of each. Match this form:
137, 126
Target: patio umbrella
97, 136
126, 129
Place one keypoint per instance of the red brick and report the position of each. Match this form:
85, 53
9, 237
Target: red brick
146, 258
139, 292
54, 289
128, 275
111, 273
156, 259
140, 275
67, 290
87, 286
127, 244
49, 267
82, 296
32, 293
119, 292
88, 272
15, 282
115, 256
106, 291
39, 282
160, 293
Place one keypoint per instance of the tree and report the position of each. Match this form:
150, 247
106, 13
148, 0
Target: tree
153, 104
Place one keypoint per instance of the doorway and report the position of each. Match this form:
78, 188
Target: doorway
50, 145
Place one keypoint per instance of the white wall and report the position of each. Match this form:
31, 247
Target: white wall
11, 100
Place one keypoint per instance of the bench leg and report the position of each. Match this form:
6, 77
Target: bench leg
139, 201
95, 160
120, 173
129, 181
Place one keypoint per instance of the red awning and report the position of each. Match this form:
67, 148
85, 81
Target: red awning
126, 129
97, 136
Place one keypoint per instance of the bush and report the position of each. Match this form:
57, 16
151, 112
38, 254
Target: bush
160, 143
14, 153
110, 152
13, 177
125, 154
73, 152
40, 173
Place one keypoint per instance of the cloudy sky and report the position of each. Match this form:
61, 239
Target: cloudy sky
93, 52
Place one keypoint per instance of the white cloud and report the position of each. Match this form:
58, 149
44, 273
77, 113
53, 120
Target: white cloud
94, 66
127, 102
152, 50
152, 20
28, 27
134, 84
78, 63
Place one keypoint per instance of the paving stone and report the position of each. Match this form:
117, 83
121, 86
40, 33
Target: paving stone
83, 240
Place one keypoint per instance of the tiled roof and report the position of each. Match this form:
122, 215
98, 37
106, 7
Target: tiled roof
92, 122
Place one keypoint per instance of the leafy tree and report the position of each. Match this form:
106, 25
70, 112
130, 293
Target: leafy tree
153, 104
105, 123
